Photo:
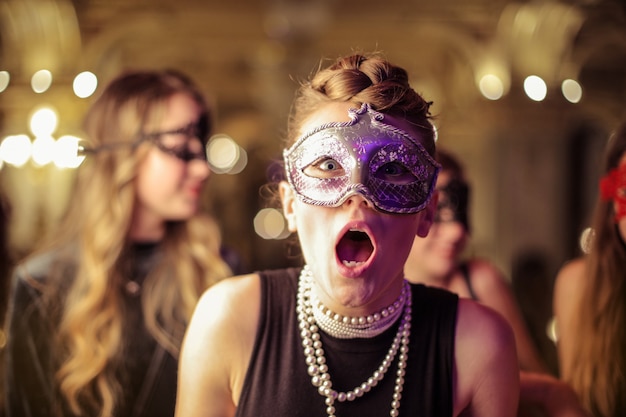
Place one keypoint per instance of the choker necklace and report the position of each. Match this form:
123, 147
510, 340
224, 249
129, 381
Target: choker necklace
314, 352
345, 327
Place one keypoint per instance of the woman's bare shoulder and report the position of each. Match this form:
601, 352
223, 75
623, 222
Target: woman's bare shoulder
482, 327
223, 326
228, 310
231, 296
573, 267
486, 278
485, 361
570, 279
484, 272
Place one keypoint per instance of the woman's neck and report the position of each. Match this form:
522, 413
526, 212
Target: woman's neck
146, 228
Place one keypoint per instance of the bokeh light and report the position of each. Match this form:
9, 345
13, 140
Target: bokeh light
43, 150
491, 87
41, 81
586, 239
572, 90
535, 88
5, 78
66, 152
16, 149
225, 156
85, 84
43, 121
269, 223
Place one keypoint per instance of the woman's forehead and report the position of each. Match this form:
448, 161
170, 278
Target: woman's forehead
338, 112
444, 178
329, 112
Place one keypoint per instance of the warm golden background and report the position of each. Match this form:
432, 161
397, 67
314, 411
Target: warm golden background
534, 165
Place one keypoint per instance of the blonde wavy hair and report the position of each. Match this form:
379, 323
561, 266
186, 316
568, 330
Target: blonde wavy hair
97, 225
598, 368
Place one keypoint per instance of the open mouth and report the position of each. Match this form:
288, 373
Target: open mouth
354, 248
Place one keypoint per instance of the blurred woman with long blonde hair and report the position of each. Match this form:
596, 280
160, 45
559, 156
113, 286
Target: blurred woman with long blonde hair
590, 298
98, 316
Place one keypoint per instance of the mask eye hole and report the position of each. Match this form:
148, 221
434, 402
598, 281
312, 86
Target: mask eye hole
181, 151
396, 173
323, 168
444, 215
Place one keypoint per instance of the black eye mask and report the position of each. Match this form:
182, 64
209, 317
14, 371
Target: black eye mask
454, 197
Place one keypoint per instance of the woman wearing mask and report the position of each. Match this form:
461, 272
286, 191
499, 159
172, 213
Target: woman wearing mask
97, 316
437, 260
347, 335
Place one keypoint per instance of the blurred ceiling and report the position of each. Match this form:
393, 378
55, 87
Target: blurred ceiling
245, 50
249, 54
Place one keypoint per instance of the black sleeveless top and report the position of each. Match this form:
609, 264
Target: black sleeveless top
464, 267
277, 382
147, 373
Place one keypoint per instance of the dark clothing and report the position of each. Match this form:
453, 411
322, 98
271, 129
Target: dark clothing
146, 372
464, 267
277, 383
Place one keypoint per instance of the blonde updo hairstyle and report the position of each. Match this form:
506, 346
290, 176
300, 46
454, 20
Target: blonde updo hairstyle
364, 78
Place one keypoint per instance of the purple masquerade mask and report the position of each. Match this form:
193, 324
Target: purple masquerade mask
366, 156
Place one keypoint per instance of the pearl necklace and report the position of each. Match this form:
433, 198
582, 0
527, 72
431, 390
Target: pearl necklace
345, 327
316, 361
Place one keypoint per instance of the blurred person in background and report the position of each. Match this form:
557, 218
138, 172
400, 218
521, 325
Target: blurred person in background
437, 260
6, 266
590, 298
97, 316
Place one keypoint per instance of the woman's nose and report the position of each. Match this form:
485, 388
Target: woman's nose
454, 230
356, 198
199, 168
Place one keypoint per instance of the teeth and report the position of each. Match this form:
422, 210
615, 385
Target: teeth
352, 264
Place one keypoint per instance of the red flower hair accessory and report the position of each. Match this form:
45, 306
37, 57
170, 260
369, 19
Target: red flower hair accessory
613, 187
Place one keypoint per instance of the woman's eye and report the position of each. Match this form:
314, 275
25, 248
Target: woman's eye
173, 140
445, 215
395, 172
328, 165
324, 168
